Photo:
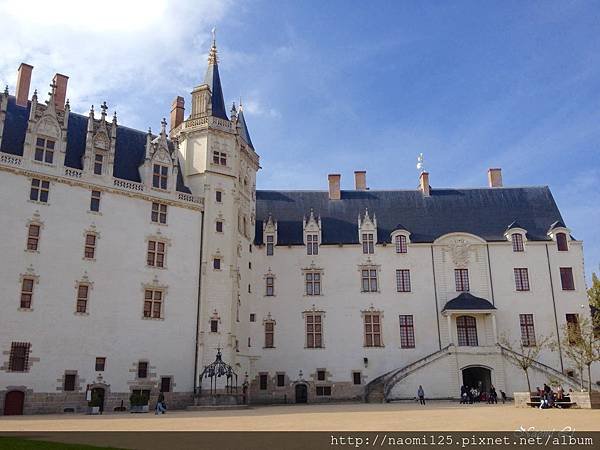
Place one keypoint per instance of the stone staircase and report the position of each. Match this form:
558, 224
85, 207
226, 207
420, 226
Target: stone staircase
378, 390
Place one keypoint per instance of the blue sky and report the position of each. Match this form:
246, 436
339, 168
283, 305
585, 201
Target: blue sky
337, 86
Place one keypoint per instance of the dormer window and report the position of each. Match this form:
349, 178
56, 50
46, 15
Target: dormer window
44, 150
312, 244
367, 232
517, 242
561, 242
270, 245
160, 176
368, 243
400, 242
98, 163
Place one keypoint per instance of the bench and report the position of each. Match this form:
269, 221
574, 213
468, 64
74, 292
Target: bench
564, 403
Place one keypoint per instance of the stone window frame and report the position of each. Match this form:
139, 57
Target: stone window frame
27, 357
403, 281
219, 221
45, 150
157, 238
40, 185
137, 369
263, 376
84, 281
155, 286
160, 178
509, 237
521, 277
567, 279
360, 377
219, 158
313, 270
215, 317
95, 199
269, 278
462, 282
400, 245
527, 327
371, 312
314, 312
407, 331
35, 221
97, 360
70, 373
171, 383
91, 231
268, 320
28, 275
158, 213
369, 266
277, 379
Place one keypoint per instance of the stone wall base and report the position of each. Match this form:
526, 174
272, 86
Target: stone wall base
586, 400
521, 399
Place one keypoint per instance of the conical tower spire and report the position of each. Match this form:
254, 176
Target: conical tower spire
213, 81
242, 127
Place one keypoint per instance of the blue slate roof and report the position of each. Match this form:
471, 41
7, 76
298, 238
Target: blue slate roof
468, 301
129, 152
243, 128
214, 83
484, 212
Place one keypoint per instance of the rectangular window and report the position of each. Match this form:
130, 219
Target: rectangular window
263, 379
219, 226
270, 281
270, 245
19, 357
566, 279
156, 254
26, 292
320, 375
372, 330
313, 283
89, 250
407, 332
561, 242
466, 329
153, 299
44, 150
95, 201
403, 280
98, 162
368, 243
33, 237
100, 364
400, 242
142, 371
527, 330
461, 277
369, 280
356, 378
214, 326
82, 298
269, 334
517, 242
159, 213
218, 196
220, 158
217, 263
573, 330
323, 391
314, 331
280, 380
40, 189
312, 244
69, 383
252, 317
160, 176
165, 384
521, 279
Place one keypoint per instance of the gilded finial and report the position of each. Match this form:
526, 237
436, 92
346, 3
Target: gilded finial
212, 55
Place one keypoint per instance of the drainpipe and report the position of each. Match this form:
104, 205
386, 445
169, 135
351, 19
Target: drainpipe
562, 368
437, 312
198, 305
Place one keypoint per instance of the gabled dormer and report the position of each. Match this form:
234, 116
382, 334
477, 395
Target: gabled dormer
400, 238
560, 234
517, 236
270, 235
46, 136
367, 232
312, 233
160, 167
100, 144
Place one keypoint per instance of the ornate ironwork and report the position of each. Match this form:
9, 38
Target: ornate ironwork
219, 369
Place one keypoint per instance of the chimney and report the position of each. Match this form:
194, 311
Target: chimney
177, 110
23, 82
334, 186
424, 183
495, 178
60, 92
360, 180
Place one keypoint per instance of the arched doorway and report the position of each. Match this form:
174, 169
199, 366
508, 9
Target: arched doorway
301, 393
13, 403
477, 377
98, 398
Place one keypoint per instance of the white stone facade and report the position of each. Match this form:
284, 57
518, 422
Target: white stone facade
222, 287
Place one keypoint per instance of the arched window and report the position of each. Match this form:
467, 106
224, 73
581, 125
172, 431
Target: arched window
466, 328
561, 242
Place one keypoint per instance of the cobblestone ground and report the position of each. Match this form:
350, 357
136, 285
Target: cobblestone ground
435, 416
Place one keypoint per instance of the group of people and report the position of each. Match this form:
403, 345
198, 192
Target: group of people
470, 395
549, 398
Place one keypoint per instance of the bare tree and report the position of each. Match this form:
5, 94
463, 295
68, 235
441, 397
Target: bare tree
525, 354
581, 344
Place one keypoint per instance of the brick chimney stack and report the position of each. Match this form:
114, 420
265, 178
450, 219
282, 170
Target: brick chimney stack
23, 83
60, 92
177, 111
495, 178
360, 180
424, 183
334, 186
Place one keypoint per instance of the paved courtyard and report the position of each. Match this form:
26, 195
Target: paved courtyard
435, 416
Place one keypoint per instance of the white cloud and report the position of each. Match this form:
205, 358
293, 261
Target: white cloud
118, 51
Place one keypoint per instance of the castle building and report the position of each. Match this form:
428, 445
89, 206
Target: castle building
134, 256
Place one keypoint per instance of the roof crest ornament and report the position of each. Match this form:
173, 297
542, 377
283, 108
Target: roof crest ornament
212, 55
420, 163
